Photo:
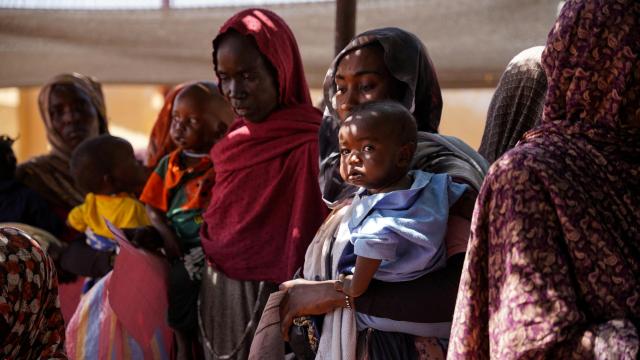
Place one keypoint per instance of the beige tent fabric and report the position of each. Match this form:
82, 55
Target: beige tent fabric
470, 41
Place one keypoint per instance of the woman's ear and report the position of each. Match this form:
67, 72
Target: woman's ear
405, 155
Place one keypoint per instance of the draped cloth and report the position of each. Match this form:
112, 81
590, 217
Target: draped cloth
49, 174
160, 142
123, 315
266, 205
31, 324
553, 266
407, 59
517, 104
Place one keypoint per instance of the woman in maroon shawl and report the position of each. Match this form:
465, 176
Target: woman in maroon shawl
553, 267
265, 205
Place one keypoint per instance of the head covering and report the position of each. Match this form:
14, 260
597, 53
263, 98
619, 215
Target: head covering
517, 104
407, 60
90, 87
276, 42
32, 324
49, 174
266, 205
160, 142
553, 266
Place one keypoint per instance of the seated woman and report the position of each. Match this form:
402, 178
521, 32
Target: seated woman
72, 108
265, 204
387, 63
557, 274
517, 104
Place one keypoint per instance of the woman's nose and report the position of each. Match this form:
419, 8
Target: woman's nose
236, 89
69, 115
350, 100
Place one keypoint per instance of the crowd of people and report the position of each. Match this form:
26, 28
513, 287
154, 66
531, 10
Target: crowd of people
259, 227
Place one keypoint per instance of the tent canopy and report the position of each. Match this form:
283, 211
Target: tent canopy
470, 41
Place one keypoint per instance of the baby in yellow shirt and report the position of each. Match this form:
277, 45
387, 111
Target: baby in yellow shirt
106, 169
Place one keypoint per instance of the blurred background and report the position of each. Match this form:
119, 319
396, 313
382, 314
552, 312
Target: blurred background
139, 49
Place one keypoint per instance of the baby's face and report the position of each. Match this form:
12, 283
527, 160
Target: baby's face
369, 155
195, 123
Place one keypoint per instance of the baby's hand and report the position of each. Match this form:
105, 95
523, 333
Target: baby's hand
343, 284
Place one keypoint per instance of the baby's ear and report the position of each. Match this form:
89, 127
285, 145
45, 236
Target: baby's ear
405, 154
220, 130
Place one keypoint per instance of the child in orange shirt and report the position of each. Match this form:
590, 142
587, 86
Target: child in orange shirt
178, 191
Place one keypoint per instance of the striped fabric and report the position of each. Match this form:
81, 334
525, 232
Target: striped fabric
102, 328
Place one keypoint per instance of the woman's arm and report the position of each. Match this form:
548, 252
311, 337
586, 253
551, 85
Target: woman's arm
306, 297
430, 298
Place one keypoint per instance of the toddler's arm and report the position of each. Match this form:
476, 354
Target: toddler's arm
75, 219
356, 284
169, 239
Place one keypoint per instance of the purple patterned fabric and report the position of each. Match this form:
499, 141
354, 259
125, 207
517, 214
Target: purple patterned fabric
553, 266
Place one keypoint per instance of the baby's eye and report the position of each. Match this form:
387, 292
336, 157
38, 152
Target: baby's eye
345, 152
247, 76
193, 121
340, 89
368, 148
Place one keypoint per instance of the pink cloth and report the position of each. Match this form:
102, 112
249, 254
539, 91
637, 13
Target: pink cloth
123, 316
138, 290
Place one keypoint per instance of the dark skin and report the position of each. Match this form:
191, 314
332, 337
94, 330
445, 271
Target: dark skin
199, 120
127, 175
363, 77
373, 158
73, 116
245, 77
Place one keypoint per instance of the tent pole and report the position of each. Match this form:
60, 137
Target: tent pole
345, 23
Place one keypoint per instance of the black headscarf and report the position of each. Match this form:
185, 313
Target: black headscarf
407, 60
516, 105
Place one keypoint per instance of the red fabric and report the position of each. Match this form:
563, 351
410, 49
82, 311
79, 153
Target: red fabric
160, 142
275, 41
266, 204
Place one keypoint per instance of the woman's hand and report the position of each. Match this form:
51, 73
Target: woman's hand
306, 297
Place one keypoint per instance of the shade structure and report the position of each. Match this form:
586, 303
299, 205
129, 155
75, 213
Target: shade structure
470, 41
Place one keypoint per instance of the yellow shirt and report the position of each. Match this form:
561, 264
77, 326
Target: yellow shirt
121, 210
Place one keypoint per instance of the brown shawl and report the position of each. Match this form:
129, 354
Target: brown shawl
49, 174
553, 266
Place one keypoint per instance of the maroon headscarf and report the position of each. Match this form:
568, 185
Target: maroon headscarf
275, 41
266, 205
553, 266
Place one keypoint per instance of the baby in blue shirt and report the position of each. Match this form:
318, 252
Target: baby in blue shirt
398, 217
